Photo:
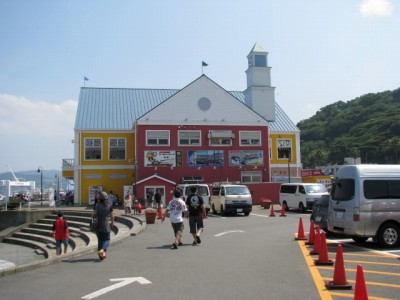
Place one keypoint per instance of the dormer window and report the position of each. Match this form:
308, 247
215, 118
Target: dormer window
260, 61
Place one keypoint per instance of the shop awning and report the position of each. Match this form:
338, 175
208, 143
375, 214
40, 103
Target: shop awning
226, 134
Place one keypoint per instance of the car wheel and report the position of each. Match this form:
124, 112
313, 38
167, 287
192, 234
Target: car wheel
222, 210
388, 235
246, 214
284, 204
213, 209
359, 239
301, 207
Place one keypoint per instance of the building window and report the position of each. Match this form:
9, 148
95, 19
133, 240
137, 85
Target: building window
260, 60
92, 149
251, 177
220, 142
117, 149
157, 137
250, 138
284, 149
189, 138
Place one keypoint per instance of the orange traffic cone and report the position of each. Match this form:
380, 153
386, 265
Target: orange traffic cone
317, 240
283, 212
339, 274
160, 214
300, 232
360, 291
311, 234
272, 213
323, 258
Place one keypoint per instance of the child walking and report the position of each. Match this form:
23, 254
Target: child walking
60, 232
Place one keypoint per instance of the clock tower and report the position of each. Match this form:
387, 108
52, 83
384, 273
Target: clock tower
260, 95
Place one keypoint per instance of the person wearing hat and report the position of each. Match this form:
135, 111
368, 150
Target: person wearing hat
103, 213
60, 232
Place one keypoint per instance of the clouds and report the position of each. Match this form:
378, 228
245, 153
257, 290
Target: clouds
35, 132
376, 8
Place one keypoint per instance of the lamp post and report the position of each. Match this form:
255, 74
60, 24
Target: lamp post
288, 165
40, 170
58, 188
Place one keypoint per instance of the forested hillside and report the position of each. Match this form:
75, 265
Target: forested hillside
366, 127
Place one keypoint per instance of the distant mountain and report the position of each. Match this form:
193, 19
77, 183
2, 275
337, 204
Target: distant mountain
366, 127
49, 178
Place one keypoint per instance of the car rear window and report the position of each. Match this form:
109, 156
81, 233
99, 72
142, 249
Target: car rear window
288, 189
343, 189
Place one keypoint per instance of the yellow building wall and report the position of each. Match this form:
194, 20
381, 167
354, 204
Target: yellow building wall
274, 148
111, 175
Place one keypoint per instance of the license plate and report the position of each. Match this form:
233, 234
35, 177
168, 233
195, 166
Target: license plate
339, 214
318, 219
239, 210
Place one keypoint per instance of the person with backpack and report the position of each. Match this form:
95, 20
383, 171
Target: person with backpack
105, 218
195, 204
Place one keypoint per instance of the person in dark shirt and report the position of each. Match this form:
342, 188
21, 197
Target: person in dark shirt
104, 213
195, 204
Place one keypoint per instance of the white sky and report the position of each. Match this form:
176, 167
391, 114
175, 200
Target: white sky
320, 52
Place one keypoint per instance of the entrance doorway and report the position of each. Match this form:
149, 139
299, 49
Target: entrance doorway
150, 191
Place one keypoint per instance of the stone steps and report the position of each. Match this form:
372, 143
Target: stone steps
39, 235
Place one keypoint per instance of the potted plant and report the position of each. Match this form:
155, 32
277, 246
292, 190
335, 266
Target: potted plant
150, 214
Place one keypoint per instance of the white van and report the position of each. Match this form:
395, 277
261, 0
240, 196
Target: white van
365, 202
300, 195
231, 198
202, 189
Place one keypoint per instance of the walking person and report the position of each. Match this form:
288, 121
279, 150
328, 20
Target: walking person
105, 217
195, 204
60, 233
157, 198
176, 208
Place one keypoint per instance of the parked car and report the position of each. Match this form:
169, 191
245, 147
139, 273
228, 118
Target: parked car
320, 212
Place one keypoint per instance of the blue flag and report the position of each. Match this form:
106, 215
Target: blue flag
85, 78
204, 64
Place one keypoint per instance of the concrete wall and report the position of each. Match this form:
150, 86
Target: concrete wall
17, 218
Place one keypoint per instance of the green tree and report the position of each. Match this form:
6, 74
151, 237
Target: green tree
394, 143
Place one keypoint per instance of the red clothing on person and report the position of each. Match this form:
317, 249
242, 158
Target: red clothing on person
60, 228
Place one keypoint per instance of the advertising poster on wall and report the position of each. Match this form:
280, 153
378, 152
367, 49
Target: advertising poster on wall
159, 158
92, 189
205, 158
246, 158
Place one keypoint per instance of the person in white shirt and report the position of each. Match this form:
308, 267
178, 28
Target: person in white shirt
177, 208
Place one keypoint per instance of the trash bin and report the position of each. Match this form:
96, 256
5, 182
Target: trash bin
266, 203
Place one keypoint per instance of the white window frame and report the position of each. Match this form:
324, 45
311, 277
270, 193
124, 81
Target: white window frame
158, 135
254, 176
117, 147
224, 142
96, 143
250, 137
190, 138
284, 148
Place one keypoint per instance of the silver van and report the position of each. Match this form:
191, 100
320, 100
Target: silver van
300, 195
365, 202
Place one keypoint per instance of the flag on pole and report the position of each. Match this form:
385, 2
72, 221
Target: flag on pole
85, 78
204, 64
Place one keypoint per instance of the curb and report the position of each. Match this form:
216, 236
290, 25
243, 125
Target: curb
138, 227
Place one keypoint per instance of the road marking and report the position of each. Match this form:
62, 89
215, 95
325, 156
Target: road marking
319, 282
365, 271
6, 264
123, 282
226, 232
257, 215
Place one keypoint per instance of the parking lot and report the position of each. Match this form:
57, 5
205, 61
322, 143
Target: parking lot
380, 266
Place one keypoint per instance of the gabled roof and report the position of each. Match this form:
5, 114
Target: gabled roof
156, 177
108, 109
